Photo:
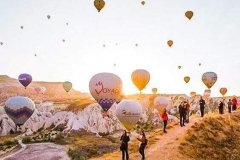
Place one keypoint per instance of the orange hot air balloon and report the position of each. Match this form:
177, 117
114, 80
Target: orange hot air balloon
179, 67
143, 2
170, 43
189, 14
223, 91
186, 79
140, 78
154, 90
192, 94
99, 4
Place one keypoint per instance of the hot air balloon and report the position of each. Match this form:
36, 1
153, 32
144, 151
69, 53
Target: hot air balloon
1, 43
99, 4
209, 79
25, 79
179, 67
207, 93
66, 23
199, 64
186, 79
154, 90
104, 45
136, 45
128, 113
21, 27
19, 109
223, 91
193, 94
189, 14
63, 40
119, 98
67, 86
106, 89
48, 16
151, 100
40, 90
140, 78
143, 2
170, 43
160, 103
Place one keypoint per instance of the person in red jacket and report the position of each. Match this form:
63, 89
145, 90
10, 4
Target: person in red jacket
165, 119
234, 104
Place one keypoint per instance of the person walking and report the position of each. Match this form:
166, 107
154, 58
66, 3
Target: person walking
143, 143
234, 104
165, 119
124, 145
181, 112
202, 106
229, 103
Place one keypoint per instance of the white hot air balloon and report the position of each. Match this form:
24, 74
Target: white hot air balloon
19, 109
160, 103
128, 113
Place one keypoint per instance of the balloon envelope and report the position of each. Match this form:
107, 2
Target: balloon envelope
143, 2
186, 79
189, 14
154, 90
67, 86
19, 109
192, 94
179, 67
25, 79
128, 113
160, 103
140, 78
223, 91
209, 79
106, 89
99, 4
170, 43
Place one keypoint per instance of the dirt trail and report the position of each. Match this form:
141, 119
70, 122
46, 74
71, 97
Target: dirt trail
166, 147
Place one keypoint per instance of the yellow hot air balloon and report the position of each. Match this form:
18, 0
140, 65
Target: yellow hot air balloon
143, 2
67, 86
209, 79
154, 90
140, 78
170, 43
223, 91
179, 67
189, 14
99, 4
193, 94
21, 27
186, 79
48, 16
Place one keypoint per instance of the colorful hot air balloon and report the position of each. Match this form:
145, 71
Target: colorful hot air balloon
209, 79
189, 14
143, 2
179, 67
48, 16
128, 113
154, 90
186, 79
25, 79
193, 94
160, 103
99, 4
106, 89
170, 43
223, 91
140, 78
67, 86
19, 109
21, 27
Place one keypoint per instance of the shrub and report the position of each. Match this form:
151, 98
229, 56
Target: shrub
26, 140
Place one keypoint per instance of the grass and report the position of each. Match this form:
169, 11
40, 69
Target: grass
215, 137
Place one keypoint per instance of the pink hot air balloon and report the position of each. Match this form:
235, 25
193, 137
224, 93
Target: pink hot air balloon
25, 79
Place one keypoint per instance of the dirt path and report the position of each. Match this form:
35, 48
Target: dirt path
166, 147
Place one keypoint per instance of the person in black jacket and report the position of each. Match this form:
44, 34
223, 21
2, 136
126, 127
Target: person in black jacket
182, 112
221, 107
202, 106
124, 145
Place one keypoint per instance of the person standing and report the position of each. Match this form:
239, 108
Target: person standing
181, 112
229, 105
202, 106
142, 145
234, 104
165, 119
124, 145
187, 111
220, 107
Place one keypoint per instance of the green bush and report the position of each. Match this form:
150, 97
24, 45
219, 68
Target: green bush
26, 140
8, 142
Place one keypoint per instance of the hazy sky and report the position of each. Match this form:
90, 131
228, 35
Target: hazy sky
212, 38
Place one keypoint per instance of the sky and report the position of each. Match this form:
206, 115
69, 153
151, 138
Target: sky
211, 37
